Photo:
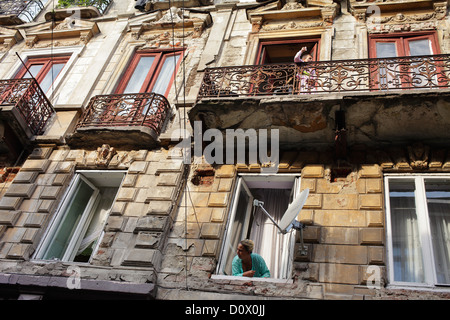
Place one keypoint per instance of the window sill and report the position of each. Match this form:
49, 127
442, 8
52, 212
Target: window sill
247, 279
418, 287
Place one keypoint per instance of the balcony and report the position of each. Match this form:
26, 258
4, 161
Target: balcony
24, 114
86, 9
127, 121
13, 12
383, 101
365, 75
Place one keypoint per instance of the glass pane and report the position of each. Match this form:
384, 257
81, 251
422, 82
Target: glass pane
438, 201
95, 228
420, 47
139, 74
34, 70
407, 249
166, 73
69, 222
51, 76
237, 228
386, 49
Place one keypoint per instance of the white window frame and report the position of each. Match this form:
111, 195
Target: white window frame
423, 228
73, 51
85, 219
288, 256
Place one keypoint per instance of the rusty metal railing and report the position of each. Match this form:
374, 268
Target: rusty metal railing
123, 110
387, 74
29, 99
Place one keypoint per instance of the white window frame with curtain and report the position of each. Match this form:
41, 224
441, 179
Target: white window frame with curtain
276, 249
84, 229
418, 229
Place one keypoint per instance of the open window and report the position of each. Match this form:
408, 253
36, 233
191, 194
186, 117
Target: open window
78, 225
247, 221
283, 51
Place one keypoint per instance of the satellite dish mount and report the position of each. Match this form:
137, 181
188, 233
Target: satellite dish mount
289, 219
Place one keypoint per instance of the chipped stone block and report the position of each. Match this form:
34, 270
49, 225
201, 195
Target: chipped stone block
9, 218
211, 231
19, 251
219, 199
370, 171
64, 167
30, 235
50, 192
148, 240
35, 165
142, 258
40, 153
169, 179
210, 248
60, 179
169, 166
371, 236
26, 177
114, 223
313, 171
138, 167
371, 201
161, 193
20, 190
151, 223
225, 184
126, 194
225, 171
10, 203
159, 207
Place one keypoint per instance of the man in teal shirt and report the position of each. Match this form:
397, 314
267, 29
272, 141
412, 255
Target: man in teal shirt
248, 264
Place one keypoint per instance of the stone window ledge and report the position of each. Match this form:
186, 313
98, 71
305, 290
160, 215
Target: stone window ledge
221, 278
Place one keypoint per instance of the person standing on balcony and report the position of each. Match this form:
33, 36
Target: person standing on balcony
306, 75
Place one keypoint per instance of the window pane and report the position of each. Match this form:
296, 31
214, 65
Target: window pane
69, 222
94, 230
34, 70
407, 249
51, 76
420, 47
166, 73
386, 49
237, 228
438, 201
139, 74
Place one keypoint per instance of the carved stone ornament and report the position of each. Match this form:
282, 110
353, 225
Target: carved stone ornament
104, 155
66, 33
418, 156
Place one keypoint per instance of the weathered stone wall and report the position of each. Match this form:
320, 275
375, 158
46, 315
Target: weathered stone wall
135, 232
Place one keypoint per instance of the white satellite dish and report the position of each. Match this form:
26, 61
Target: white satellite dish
288, 221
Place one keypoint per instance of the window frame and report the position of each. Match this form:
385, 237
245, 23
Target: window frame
298, 42
424, 229
402, 39
152, 76
72, 52
85, 219
288, 255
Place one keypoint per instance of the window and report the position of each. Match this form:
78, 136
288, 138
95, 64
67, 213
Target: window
284, 51
44, 70
392, 74
150, 72
78, 225
418, 228
245, 222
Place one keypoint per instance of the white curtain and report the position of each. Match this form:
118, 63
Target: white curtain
269, 242
407, 249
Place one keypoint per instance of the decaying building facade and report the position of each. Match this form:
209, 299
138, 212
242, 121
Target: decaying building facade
112, 112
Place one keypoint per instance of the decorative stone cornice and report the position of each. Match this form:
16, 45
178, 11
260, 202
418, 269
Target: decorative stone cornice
68, 32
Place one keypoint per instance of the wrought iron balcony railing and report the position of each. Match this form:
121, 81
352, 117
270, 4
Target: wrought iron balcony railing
124, 110
24, 10
28, 98
101, 5
402, 73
